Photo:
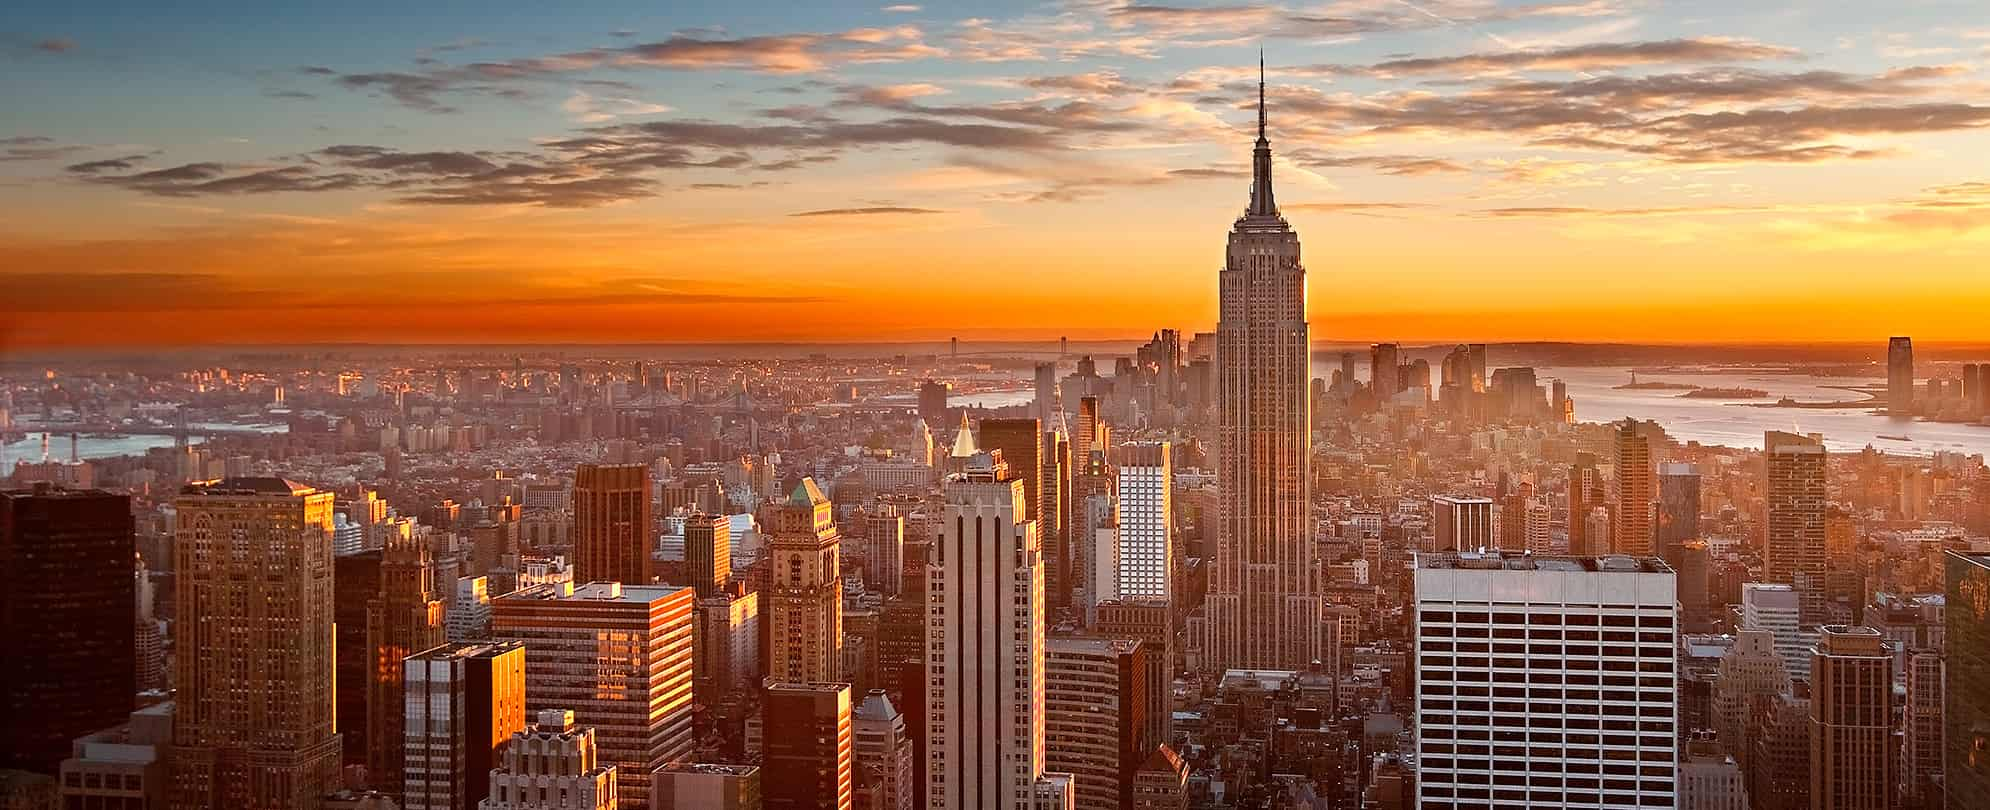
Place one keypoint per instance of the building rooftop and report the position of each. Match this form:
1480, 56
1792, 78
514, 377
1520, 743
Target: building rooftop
258, 485
467, 649
592, 592
1496, 560
708, 767
1100, 645
46, 489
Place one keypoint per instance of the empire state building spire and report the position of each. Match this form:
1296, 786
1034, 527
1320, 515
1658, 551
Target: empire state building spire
1262, 204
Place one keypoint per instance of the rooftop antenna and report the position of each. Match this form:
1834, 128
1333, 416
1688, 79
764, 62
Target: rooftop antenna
1261, 121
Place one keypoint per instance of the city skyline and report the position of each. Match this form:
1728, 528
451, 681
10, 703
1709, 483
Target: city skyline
579, 178
835, 406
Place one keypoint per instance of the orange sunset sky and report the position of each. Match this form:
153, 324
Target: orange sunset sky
1610, 170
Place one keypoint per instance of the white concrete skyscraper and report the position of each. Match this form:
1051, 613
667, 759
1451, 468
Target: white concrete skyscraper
1263, 608
1545, 682
984, 645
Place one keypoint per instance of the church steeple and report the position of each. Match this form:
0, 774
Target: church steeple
1262, 203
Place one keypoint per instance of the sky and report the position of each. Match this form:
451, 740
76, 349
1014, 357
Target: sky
199, 173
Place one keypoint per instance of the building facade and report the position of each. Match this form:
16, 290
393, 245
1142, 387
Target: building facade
1796, 501
1146, 558
1900, 375
619, 658
984, 696
1966, 715
1851, 721
803, 601
253, 725
553, 764
1264, 600
1633, 516
405, 618
463, 702
1545, 682
68, 637
1460, 523
612, 534
705, 786
1094, 717
808, 757
883, 749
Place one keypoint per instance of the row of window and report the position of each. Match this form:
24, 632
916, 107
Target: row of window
1571, 619
1543, 731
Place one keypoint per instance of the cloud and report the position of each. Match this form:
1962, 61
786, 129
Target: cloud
902, 8
1095, 84
1710, 116
1208, 173
201, 179
426, 90
1368, 209
1400, 165
35, 147
56, 45
1229, 24
1575, 59
142, 291
118, 164
867, 211
418, 91
590, 109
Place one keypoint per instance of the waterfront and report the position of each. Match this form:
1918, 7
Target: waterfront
88, 446
1734, 423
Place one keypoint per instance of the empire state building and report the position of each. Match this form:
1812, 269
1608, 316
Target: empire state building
1263, 609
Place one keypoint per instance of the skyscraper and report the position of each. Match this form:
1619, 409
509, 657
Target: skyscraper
253, 726
1777, 609
68, 658
984, 645
1900, 376
1053, 496
1587, 621
1966, 714
612, 535
1094, 716
1851, 721
1632, 489
1384, 370
1921, 728
803, 601
406, 618
884, 549
1460, 523
355, 584
1045, 404
883, 750
1678, 509
1146, 556
553, 764
708, 552
463, 704
807, 762
933, 403
728, 649
1585, 493
620, 658
1796, 500
1264, 601
1750, 671
1021, 443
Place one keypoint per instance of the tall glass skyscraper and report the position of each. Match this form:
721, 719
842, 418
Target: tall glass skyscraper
1966, 765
